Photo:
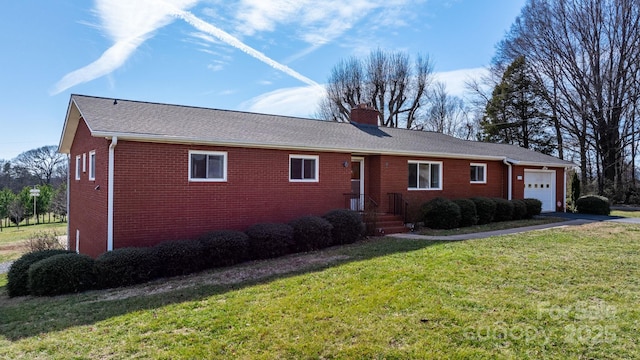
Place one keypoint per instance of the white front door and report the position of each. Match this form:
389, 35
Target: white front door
357, 184
541, 185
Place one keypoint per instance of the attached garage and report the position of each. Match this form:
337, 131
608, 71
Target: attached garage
541, 185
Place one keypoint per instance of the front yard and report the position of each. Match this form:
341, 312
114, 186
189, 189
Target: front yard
561, 293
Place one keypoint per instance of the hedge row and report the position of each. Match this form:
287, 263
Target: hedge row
54, 272
441, 213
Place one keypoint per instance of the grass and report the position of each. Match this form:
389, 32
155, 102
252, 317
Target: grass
625, 213
490, 227
560, 293
12, 238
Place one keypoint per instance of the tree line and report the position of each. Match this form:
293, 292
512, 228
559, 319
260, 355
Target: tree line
42, 168
564, 81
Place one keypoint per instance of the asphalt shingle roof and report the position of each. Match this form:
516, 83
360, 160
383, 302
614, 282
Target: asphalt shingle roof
138, 120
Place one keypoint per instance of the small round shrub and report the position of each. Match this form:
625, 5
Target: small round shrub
440, 213
593, 204
224, 247
311, 233
504, 210
18, 276
519, 209
348, 226
126, 266
485, 208
62, 274
269, 240
179, 257
468, 213
534, 207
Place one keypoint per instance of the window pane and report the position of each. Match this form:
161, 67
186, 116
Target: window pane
474, 171
92, 165
435, 176
215, 169
423, 176
296, 169
413, 176
309, 169
198, 166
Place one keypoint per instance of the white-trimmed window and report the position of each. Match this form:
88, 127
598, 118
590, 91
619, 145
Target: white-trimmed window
425, 175
78, 166
207, 165
478, 173
303, 168
92, 165
84, 162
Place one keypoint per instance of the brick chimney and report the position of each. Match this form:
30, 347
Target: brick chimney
364, 114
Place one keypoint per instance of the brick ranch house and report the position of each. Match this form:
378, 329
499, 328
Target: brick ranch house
141, 173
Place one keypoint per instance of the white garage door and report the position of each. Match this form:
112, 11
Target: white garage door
541, 185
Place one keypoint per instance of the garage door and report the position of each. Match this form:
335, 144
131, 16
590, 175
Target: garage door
541, 185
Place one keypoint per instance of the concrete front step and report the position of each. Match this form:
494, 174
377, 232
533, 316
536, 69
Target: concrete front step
386, 224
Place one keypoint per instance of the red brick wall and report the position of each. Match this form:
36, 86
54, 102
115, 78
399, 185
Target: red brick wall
455, 183
88, 206
154, 200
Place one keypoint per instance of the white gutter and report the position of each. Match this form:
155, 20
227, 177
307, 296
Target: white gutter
112, 146
509, 179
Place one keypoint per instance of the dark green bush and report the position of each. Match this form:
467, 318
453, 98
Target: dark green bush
224, 247
593, 204
269, 240
179, 257
468, 213
347, 225
534, 207
485, 208
126, 266
504, 210
519, 209
440, 213
311, 233
62, 274
18, 276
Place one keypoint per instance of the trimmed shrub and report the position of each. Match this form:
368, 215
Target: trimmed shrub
126, 266
593, 204
440, 213
269, 240
347, 225
18, 276
179, 257
468, 213
504, 210
485, 208
519, 209
311, 233
534, 207
224, 247
62, 274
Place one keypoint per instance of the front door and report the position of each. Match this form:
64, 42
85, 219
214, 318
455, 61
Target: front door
357, 184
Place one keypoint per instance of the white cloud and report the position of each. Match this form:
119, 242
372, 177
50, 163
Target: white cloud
456, 79
296, 101
128, 24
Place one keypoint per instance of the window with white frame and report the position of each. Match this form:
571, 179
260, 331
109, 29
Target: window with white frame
478, 173
425, 175
92, 165
78, 166
84, 162
303, 168
207, 166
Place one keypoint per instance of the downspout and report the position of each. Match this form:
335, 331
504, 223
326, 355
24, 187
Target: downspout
68, 186
564, 192
509, 179
112, 146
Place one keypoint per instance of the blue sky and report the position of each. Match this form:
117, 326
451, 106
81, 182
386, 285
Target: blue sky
252, 55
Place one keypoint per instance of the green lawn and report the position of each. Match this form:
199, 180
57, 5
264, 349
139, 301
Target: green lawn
626, 213
502, 225
13, 238
561, 293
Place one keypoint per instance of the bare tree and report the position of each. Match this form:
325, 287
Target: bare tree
386, 81
41, 162
447, 114
588, 54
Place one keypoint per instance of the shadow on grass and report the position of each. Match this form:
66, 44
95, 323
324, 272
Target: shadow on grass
31, 316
